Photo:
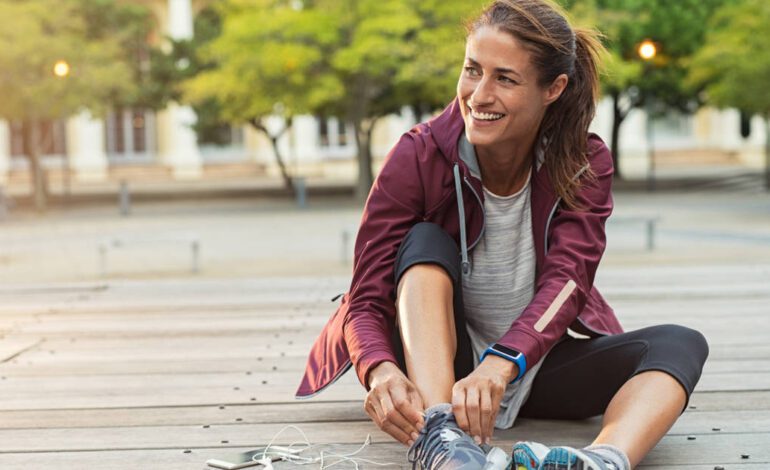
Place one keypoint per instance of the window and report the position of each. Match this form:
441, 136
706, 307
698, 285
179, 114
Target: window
52, 135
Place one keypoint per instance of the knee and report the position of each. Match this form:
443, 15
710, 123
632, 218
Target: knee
684, 340
430, 251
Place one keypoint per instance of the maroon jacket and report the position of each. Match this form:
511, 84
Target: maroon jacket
420, 181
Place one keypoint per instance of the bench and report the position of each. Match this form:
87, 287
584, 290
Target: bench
114, 243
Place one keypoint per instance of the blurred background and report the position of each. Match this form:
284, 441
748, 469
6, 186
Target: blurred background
156, 138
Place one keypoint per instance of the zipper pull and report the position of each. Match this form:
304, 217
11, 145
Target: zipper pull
334, 299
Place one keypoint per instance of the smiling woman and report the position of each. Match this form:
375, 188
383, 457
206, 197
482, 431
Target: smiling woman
477, 253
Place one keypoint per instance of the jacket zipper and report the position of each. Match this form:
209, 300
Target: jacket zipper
483, 213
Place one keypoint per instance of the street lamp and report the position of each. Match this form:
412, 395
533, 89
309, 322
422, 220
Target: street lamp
647, 51
61, 68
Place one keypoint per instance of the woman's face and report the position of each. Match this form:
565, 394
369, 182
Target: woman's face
501, 101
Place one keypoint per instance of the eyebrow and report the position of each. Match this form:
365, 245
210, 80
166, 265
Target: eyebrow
497, 69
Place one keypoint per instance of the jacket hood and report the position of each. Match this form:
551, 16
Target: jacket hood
445, 130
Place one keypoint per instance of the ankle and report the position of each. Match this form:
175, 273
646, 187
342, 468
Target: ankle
611, 454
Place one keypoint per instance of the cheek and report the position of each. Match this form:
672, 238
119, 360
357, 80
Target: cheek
464, 87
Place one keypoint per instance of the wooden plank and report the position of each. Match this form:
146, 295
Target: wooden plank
692, 422
730, 401
177, 459
10, 348
672, 451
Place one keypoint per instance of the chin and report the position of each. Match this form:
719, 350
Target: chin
479, 138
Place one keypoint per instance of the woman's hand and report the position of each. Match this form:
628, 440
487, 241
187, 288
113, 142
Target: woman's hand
476, 398
394, 403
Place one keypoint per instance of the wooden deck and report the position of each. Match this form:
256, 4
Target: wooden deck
166, 374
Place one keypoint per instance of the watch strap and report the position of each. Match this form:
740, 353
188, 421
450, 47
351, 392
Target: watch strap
510, 354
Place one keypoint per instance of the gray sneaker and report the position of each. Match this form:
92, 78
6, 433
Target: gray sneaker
567, 458
442, 445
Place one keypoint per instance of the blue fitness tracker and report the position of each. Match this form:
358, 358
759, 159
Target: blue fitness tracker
507, 353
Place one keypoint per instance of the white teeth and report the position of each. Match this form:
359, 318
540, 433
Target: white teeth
484, 116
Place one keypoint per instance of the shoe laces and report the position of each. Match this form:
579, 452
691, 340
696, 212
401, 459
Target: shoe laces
430, 448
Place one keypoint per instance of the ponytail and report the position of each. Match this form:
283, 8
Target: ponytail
556, 49
566, 122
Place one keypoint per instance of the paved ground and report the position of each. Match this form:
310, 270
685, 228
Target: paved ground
247, 237
152, 366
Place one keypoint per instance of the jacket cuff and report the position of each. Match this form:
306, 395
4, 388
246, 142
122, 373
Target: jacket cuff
524, 342
369, 361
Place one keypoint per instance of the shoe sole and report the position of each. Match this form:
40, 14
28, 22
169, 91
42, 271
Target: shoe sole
562, 458
524, 459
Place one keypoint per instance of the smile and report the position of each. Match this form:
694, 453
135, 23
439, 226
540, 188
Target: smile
484, 116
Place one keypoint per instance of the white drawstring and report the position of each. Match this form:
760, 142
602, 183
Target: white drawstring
291, 454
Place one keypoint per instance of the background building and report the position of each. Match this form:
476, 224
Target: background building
162, 146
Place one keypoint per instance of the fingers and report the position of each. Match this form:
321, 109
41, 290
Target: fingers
399, 411
394, 411
378, 411
409, 404
473, 410
475, 407
487, 417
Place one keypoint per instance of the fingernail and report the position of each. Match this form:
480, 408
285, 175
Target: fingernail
487, 441
410, 442
414, 435
477, 439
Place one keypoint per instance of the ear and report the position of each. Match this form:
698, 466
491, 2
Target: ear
555, 89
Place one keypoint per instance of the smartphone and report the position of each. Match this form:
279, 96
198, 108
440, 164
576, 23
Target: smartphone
246, 459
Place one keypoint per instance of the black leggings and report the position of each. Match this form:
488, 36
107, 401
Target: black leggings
578, 377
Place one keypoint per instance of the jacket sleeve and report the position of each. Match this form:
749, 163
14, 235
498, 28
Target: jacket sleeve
394, 206
576, 244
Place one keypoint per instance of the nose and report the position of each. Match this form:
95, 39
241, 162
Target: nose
483, 94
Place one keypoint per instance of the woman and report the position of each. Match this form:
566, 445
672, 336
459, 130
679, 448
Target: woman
477, 253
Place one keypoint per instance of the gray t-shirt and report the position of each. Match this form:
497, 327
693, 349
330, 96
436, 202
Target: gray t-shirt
501, 285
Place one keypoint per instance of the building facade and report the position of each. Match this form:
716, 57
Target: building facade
93, 149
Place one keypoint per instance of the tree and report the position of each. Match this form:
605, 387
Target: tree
734, 63
392, 53
677, 28
265, 63
87, 41
356, 59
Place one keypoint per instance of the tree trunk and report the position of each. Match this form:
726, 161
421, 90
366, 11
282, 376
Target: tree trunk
617, 119
31, 130
363, 130
287, 180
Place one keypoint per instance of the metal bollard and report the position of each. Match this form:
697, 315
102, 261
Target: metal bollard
3, 205
345, 241
195, 246
650, 235
124, 199
300, 191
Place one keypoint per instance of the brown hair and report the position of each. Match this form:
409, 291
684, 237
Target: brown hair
556, 49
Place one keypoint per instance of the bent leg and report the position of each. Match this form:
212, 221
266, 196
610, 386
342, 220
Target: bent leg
431, 342
640, 380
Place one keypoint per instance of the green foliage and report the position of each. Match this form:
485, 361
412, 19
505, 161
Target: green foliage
734, 63
677, 28
97, 38
354, 58
357, 59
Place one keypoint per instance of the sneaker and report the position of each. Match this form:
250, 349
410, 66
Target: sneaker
442, 445
528, 455
567, 458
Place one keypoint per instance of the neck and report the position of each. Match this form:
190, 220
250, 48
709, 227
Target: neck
504, 173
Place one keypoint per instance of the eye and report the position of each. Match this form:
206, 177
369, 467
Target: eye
471, 71
505, 79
